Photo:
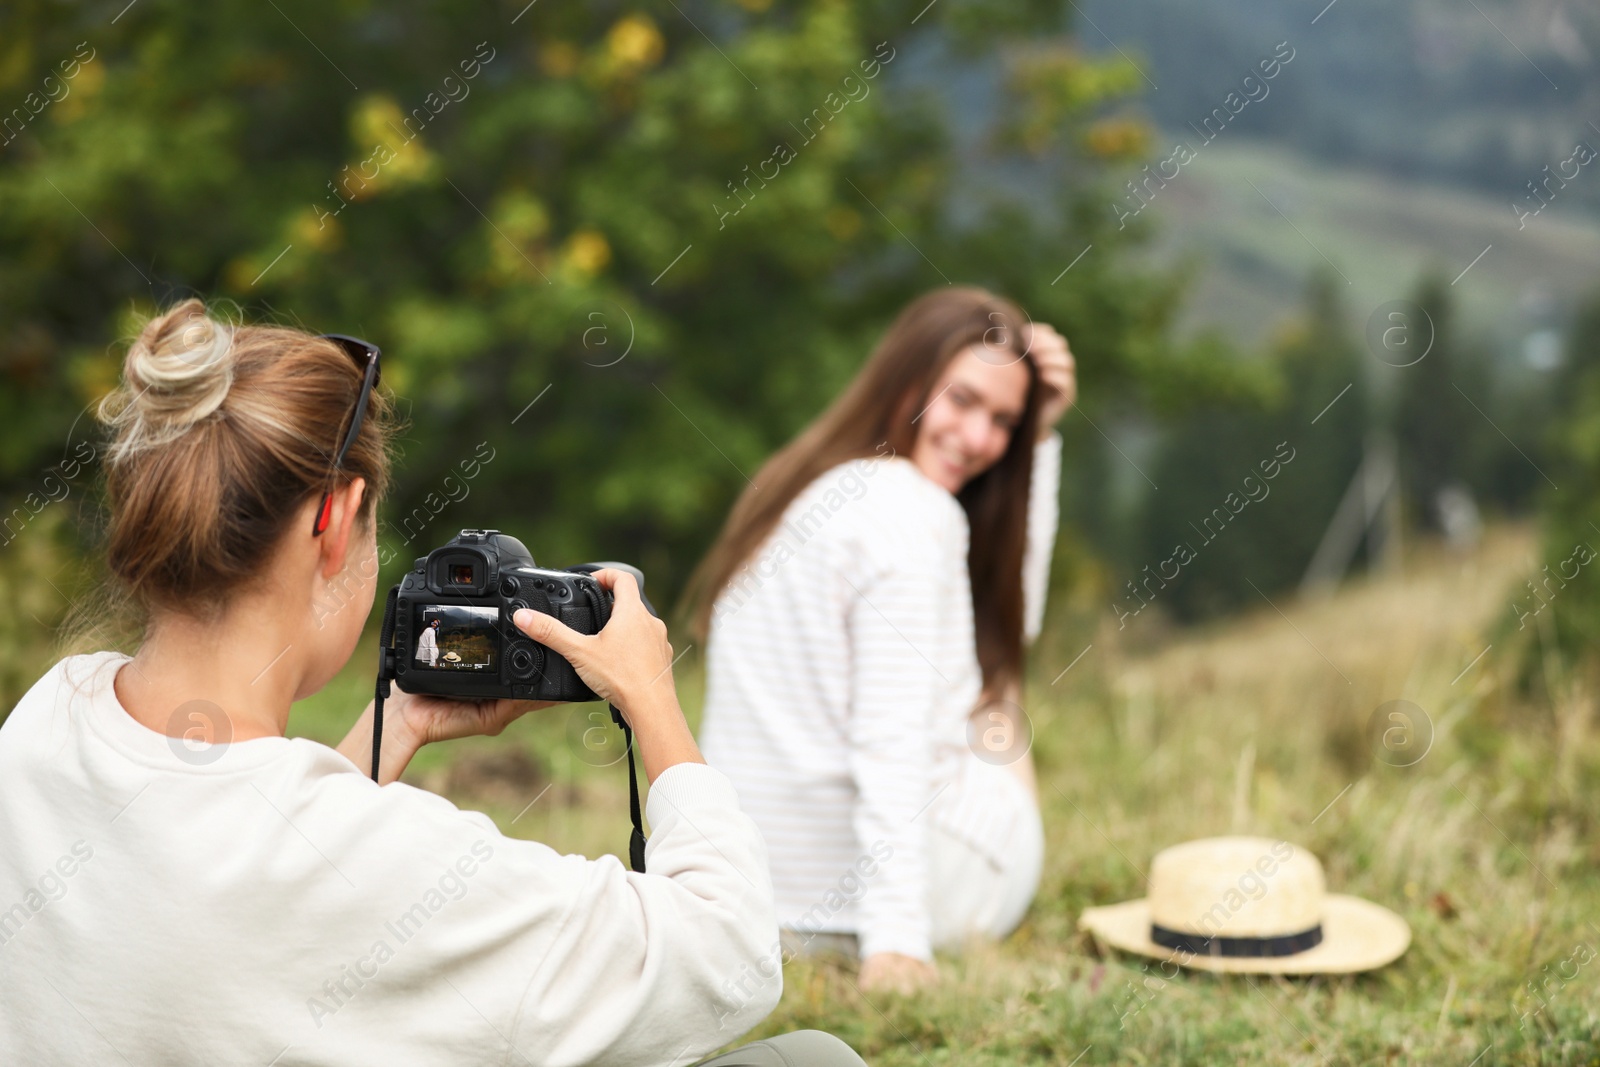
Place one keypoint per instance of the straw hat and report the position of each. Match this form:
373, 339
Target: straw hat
1249, 905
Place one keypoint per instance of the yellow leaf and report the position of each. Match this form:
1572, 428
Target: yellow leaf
586, 252
389, 148
1118, 139
317, 230
81, 91
635, 42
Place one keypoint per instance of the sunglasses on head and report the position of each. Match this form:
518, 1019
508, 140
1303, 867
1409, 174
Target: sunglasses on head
365, 354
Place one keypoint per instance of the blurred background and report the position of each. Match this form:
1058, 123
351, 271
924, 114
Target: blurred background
676, 232
617, 253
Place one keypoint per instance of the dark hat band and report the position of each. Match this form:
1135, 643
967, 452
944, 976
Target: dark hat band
1194, 944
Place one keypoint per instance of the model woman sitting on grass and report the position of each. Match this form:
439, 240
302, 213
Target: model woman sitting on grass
866, 607
260, 899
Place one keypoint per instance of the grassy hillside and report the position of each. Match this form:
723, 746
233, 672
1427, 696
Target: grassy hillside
1378, 231
1487, 845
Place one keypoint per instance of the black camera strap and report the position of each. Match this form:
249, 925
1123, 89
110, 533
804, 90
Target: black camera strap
600, 603
385, 672
636, 841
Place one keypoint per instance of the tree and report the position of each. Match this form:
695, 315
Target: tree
615, 255
1246, 491
1557, 609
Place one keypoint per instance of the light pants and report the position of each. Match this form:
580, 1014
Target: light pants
803, 1048
971, 893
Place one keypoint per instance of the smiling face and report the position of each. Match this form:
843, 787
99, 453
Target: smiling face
977, 404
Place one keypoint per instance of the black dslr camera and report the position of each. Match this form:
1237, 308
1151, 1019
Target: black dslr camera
453, 634
447, 631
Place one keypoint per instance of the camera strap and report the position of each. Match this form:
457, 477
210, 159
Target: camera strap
385, 672
600, 604
636, 841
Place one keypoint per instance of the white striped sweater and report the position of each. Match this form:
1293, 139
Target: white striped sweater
841, 672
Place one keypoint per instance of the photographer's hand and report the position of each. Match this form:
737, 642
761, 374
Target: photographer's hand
628, 663
411, 721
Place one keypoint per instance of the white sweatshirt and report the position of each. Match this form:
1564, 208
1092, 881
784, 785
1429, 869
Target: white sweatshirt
840, 676
265, 902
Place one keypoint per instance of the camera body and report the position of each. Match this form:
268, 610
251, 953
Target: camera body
453, 634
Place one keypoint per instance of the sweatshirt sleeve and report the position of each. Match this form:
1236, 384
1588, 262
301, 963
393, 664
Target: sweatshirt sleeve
1044, 505
664, 966
896, 621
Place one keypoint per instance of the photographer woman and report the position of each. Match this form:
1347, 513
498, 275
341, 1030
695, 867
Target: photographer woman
866, 606
259, 899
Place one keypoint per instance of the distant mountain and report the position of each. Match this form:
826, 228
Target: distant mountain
1260, 215
1477, 93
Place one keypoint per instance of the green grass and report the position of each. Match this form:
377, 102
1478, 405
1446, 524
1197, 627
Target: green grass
1487, 846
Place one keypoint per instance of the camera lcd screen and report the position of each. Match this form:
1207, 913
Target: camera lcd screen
455, 638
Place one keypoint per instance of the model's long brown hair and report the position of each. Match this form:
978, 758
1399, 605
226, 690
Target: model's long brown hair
879, 407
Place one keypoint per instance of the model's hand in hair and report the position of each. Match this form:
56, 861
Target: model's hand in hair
629, 664
1058, 377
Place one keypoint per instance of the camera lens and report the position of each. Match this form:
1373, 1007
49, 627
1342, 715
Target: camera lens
526, 659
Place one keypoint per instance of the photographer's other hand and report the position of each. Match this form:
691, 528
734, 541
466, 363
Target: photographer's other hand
426, 719
1058, 374
629, 664
411, 721
890, 972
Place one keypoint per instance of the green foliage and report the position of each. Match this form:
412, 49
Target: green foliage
1436, 426
1460, 420
674, 230
1559, 601
37, 585
1216, 498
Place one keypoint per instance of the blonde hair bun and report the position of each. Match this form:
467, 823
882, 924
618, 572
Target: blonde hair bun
223, 435
177, 373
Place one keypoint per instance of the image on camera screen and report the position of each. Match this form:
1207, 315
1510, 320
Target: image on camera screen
451, 638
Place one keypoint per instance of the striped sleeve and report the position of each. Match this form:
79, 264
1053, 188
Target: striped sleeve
1044, 506
897, 618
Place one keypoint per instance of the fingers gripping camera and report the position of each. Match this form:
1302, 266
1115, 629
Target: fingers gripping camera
453, 634
447, 631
